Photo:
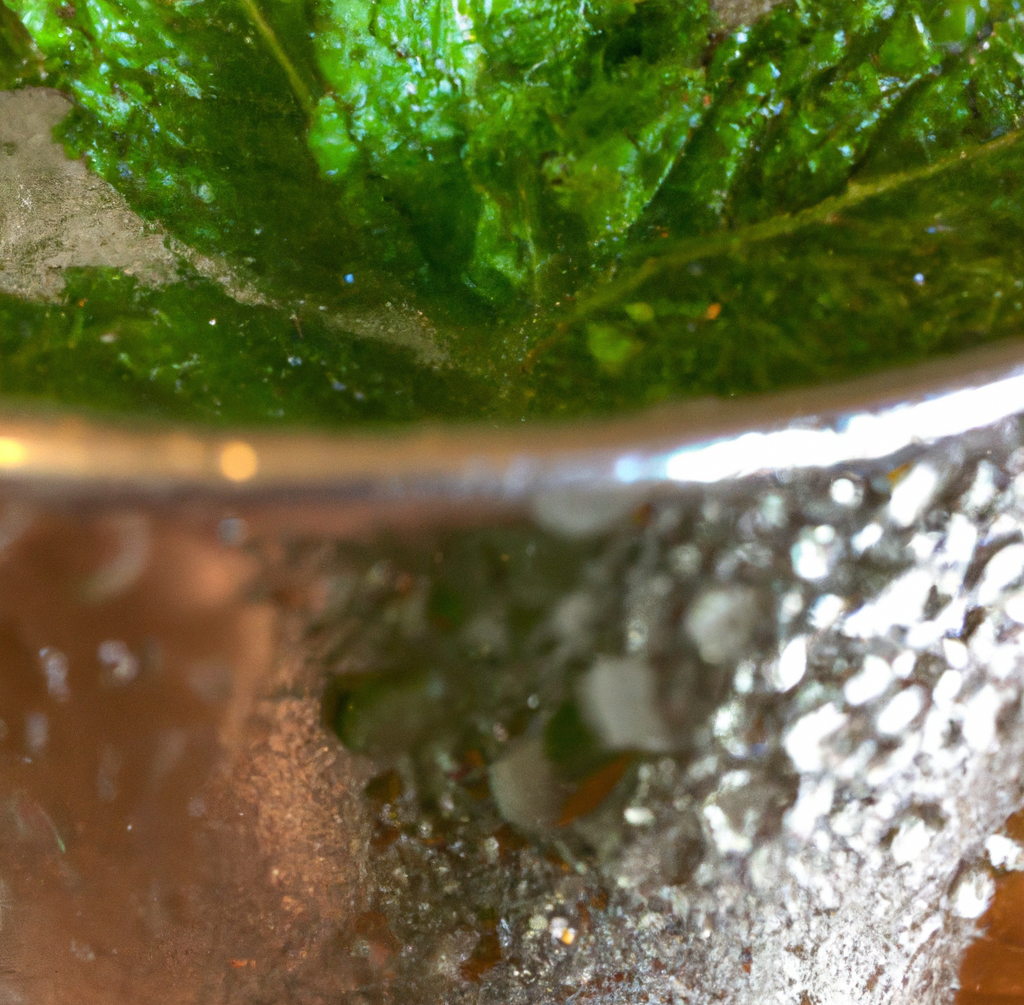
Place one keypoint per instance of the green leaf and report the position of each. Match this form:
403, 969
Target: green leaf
191, 114
19, 60
610, 346
190, 351
596, 207
510, 134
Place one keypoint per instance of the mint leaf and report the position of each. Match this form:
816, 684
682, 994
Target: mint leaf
190, 351
516, 137
19, 61
596, 206
896, 270
186, 110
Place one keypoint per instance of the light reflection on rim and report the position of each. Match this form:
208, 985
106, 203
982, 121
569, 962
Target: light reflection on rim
861, 436
698, 442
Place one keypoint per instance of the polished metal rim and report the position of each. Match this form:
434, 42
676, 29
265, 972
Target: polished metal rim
697, 442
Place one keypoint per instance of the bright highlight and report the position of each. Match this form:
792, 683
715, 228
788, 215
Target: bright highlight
238, 461
12, 452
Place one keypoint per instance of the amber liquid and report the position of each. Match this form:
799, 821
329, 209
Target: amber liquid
992, 972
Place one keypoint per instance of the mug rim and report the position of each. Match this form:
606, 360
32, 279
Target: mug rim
72, 456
